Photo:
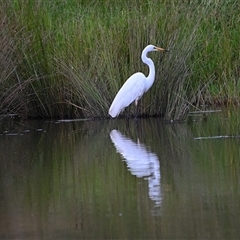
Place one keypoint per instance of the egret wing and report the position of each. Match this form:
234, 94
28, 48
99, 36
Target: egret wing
131, 90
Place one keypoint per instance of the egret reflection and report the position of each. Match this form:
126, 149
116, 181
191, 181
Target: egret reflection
140, 162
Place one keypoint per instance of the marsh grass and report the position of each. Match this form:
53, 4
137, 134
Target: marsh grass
62, 59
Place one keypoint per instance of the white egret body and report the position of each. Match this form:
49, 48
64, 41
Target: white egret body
135, 86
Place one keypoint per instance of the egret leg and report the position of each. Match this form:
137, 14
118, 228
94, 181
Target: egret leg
136, 111
128, 115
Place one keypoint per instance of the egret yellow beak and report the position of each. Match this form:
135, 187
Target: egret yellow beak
161, 49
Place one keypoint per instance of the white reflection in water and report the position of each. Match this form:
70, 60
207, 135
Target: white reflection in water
141, 163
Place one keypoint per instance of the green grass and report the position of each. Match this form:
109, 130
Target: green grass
69, 58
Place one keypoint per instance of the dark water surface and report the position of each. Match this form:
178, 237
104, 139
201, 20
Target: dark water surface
111, 180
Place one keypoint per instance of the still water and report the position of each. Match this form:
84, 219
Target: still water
114, 180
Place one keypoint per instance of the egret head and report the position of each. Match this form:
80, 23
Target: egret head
151, 48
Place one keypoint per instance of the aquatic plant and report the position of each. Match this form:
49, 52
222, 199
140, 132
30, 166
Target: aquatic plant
68, 59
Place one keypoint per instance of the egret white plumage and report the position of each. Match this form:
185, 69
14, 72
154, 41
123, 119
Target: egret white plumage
136, 85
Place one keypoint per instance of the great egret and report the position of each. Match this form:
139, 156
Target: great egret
136, 85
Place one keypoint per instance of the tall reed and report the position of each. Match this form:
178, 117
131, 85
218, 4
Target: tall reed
68, 59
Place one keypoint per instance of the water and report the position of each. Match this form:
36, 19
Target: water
113, 180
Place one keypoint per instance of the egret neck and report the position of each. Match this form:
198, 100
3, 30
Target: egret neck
151, 76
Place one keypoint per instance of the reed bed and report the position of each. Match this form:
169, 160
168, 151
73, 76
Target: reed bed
67, 59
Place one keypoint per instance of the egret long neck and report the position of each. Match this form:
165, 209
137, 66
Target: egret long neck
151, 75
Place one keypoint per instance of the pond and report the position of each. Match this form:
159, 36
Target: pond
114, 179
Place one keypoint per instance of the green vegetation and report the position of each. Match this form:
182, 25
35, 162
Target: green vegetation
68, 58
